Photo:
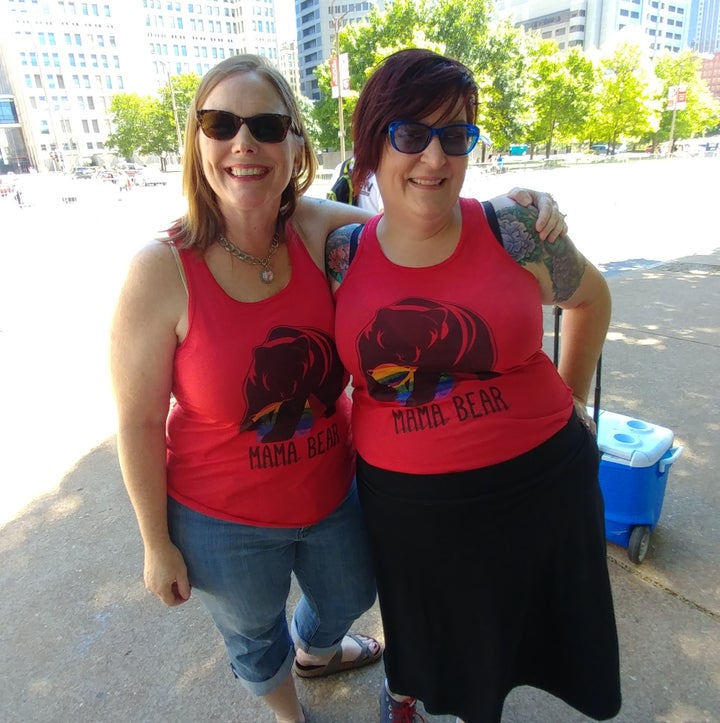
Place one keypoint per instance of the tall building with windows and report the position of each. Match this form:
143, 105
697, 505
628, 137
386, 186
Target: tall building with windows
14, 154
288, 64
710, 72
706, 35
658, 24
318, 22
65, 59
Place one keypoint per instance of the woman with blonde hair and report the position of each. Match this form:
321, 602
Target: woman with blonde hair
248, 476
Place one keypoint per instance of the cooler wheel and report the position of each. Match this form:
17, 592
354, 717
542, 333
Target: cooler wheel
639, 543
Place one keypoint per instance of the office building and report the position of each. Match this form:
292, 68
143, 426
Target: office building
658, 25
65, 60
706, 30
318, 22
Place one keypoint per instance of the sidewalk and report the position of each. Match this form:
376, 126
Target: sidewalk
82, 641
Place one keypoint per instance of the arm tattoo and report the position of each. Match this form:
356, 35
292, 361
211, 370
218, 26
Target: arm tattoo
337, 253
563, 261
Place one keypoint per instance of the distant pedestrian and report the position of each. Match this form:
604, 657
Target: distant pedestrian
343, 189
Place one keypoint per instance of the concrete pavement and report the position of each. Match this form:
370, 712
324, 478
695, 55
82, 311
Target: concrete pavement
82, 641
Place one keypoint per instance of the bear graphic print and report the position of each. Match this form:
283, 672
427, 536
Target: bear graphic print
295, 376
432, 345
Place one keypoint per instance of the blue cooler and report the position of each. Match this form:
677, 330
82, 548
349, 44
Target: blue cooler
634, 467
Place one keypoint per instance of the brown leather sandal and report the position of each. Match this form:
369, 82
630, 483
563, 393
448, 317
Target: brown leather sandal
336, 663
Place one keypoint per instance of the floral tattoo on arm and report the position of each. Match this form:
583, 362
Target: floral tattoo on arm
563, 261
337, 253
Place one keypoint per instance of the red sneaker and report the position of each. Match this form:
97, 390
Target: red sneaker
393, 711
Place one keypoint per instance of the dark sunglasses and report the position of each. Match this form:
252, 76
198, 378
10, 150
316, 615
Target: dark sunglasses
221, 125
457, 139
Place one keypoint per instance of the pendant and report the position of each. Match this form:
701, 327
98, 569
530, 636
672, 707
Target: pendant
267, 276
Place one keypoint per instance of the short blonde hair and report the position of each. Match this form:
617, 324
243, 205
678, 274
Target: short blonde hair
203, 221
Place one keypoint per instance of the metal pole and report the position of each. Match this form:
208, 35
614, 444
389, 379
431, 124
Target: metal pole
175, 115
337, 22
675, 102
341, 110
672, 123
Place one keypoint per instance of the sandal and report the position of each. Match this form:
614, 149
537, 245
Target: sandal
337, 665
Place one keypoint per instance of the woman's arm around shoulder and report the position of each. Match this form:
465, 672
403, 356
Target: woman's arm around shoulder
315, 219
149, 318
558, 266
550, 223
568, 280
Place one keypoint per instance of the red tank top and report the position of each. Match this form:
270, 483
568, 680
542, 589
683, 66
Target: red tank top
259, 432
446, 361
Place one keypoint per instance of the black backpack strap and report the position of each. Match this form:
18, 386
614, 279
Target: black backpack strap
492, 220
354, 240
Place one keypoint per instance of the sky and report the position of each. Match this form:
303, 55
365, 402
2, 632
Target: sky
285, 19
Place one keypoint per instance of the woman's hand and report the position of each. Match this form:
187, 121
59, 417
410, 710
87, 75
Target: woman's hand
550, 223
166, 575
582, 412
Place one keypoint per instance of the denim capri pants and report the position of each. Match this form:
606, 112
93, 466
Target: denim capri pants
242, 575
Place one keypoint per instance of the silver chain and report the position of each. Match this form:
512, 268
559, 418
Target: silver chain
266, 274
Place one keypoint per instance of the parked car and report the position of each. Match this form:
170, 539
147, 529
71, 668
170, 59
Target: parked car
131, 169
114, 176
7, 186
150, 177
85, 172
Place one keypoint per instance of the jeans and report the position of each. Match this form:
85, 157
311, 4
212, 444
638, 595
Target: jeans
242, 575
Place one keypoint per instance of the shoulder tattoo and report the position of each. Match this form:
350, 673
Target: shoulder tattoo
563, 261
337, 252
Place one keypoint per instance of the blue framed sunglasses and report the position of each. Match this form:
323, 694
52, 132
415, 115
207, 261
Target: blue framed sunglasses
457, 139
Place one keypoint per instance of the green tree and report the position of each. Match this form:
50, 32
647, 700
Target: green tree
496, 54
702, 111
307, 110
461, 26
623, 108
501, 74
146, 125
131, 115
182, 88
367, 42
562, 86
458, 28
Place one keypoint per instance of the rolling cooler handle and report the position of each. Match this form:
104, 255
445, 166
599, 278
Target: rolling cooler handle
557, 313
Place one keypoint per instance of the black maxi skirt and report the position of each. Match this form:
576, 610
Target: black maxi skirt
494, 578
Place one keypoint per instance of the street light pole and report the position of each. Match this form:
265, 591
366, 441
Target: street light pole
175, 115
675, 104
166, 70
337, 24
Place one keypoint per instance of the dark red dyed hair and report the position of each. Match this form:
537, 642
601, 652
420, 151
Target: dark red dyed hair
408, 85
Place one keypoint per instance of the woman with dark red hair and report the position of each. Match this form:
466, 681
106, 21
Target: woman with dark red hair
477, 465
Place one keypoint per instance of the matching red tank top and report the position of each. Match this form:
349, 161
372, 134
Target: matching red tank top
446, 361
259, 430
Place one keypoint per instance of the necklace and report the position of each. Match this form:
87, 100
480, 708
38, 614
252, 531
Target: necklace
266, 273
